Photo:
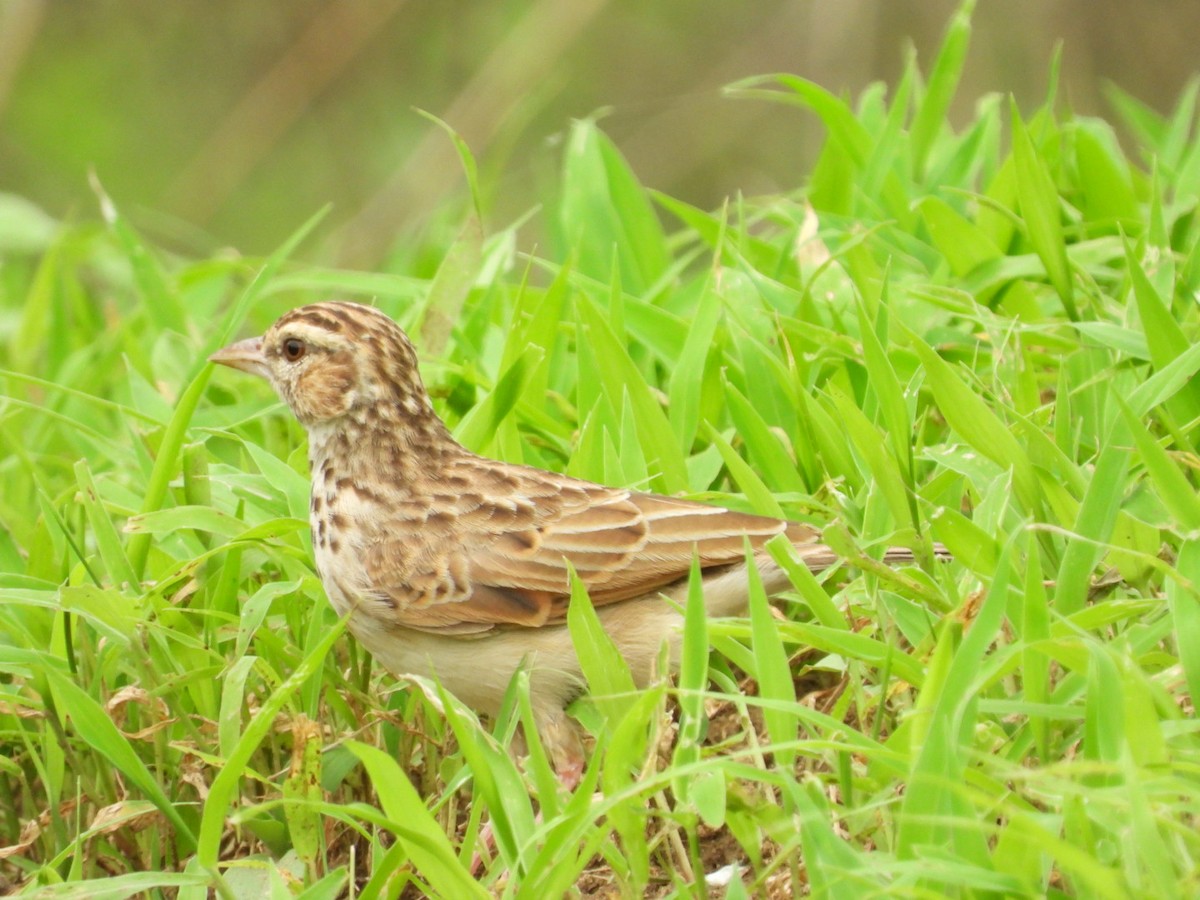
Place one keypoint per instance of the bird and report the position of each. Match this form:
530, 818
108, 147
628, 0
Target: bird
456, 567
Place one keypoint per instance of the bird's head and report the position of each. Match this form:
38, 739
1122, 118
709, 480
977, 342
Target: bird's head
333, 361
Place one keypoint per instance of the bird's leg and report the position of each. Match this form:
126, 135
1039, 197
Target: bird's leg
560, 736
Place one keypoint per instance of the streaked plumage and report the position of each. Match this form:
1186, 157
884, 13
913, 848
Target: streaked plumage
456, 566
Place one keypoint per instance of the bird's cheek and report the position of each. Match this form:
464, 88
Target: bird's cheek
322, 394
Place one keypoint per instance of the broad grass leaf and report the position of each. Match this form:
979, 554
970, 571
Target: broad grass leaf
812, 594
302, 791
1164, 336
936, 813
115, 613
496, 781
1183, 599
181, 518
233, 705
969, 544
1093, 526
930, 116
1103, 173
971, 418
604, 212
479, 426
422, 837
687, 377
1035, 664
1172, 486
617, 375
765, 449
1040, 209
892, 408
609, 680
1164, 384
852, 645
834, 868
771, 667
1104, 725
624, 766
112, 553
964, 245
131, 884
693, 677
714, 231
760, 497
883, 467
851, 137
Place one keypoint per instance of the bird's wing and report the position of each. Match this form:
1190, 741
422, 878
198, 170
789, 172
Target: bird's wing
504, 557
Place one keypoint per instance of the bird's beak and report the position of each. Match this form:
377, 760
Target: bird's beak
246, 355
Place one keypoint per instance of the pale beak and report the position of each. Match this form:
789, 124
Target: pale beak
246, 355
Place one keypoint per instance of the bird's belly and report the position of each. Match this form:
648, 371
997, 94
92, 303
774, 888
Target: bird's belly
477, 669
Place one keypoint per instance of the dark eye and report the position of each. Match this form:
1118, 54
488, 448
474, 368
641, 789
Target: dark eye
293, 349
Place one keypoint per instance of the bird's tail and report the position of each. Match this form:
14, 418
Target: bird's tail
819, 557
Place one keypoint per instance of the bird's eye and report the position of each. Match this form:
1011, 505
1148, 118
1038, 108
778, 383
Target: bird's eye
293, 349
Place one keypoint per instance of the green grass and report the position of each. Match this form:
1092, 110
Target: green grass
983, 336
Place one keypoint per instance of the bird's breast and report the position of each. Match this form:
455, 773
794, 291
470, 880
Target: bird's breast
344, 513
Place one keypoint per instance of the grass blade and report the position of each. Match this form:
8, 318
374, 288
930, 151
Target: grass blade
423, 838
1039, 207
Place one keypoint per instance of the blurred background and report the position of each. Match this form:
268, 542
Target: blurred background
227, 124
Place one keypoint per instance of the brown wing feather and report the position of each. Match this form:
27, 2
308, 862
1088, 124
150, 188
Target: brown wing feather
513, 566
